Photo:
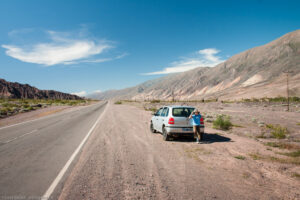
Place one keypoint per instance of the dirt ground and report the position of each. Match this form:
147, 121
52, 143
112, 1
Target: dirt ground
123, 160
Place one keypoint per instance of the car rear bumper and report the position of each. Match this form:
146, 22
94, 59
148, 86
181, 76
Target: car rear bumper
182, 130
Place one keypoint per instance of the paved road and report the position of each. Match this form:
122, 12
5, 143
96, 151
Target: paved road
32, 154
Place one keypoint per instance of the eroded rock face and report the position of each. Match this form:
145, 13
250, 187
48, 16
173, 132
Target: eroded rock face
18, 91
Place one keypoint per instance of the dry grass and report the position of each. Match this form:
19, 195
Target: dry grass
295, 174
257, 156
291, 154
282, 145
195, 152
240, 157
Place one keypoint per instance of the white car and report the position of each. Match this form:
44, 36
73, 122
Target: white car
173, 121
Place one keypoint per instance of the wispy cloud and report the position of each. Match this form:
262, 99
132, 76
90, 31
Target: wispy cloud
201, 58
81, 94
63, 48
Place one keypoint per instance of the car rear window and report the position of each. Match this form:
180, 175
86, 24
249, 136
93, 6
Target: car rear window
182, 112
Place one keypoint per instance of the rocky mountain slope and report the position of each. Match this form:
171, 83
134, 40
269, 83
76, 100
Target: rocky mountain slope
17, 91
257, 72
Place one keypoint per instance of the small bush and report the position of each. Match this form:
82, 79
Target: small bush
240, 157
277, 131
118, 102
155, 101
222, 122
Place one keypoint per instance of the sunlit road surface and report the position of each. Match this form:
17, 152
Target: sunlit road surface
33, 154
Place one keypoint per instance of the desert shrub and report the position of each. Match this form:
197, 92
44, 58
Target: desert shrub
4, 111
222, 122
118, 102
277, 131
240, 157
155, 101
8, 105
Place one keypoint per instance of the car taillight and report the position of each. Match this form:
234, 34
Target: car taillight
201, 120
171, 120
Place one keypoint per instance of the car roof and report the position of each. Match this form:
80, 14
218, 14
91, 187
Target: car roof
178, 106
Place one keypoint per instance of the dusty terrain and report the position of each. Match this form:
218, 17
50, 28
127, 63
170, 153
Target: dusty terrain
123, 160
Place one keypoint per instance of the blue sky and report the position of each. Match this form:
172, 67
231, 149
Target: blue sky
94, 45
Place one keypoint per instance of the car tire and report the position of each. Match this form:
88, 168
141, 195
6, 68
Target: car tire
151, 128
166, 137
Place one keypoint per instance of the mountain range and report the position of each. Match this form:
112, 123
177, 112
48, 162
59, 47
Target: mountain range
20, 91
256, 73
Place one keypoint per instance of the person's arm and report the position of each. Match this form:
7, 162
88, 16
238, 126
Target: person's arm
191, 115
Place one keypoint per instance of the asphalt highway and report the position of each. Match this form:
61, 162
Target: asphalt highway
33, 154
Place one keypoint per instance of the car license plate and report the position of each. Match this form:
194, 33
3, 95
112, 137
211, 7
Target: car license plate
186, 129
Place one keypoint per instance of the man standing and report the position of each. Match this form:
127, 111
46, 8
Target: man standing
195, 116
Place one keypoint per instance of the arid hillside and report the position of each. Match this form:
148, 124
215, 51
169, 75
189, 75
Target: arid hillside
20, 91
255, 73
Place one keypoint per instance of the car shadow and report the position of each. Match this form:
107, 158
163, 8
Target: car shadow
207, 139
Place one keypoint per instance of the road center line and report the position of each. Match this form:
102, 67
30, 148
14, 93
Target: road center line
8, 141
53, 185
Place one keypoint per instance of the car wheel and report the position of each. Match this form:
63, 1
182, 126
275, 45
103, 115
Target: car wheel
151, 128
166, 137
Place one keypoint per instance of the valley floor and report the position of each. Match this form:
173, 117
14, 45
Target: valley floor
123, 160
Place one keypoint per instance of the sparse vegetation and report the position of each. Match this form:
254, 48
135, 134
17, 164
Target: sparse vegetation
155, 101
262, 135
277, 131
298, 124
240, 157
292, 154
14, 106
152, 109
255, 156
295, 174
222, 122
118, 102
282, 145
293, 160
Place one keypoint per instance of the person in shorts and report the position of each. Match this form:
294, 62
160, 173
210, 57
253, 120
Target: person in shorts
195, 116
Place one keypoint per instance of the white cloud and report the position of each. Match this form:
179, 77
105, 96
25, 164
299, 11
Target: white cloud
97, 91
81, 94
62, 49
202, 58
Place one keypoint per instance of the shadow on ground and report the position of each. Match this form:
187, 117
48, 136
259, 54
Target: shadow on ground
208, 138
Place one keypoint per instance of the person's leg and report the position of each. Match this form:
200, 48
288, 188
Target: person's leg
195, 133
198, 133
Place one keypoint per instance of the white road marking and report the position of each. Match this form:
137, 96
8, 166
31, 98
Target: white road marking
8, 141
53, 185
51, 115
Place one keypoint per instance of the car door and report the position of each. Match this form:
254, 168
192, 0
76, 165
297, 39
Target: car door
156, 119
162, 118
